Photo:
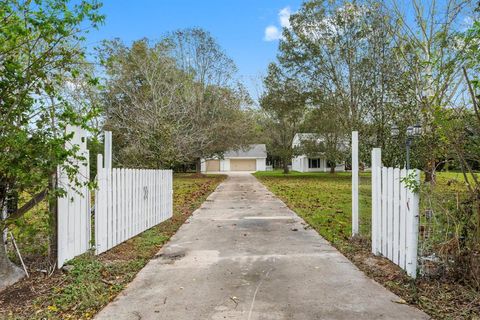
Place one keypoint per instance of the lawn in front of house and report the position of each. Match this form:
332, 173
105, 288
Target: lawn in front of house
324, 200
93, 281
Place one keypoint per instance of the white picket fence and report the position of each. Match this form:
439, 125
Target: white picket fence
395, 215
74, 223
128, 202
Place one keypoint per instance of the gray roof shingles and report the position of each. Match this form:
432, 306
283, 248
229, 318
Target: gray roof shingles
253, 151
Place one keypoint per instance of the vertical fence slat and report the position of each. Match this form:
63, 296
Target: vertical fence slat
144, 195
384, 211
170, 193
390, 214
138, 203
396, 214
129, 204
109, 208
412, 225
378, 178
157, 198
115, 200
150, 199
403, 228
163, 196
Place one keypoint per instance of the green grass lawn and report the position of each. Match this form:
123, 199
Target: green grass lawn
323, 200
96, 280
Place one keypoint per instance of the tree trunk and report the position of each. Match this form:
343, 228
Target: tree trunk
332, 168
285, 166
430, 175
198, 166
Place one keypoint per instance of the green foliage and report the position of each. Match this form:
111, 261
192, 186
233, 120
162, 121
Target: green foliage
38, 51
173, 101
411, 182
284, 107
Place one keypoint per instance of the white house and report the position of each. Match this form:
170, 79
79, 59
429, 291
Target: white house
252, 158
303, 163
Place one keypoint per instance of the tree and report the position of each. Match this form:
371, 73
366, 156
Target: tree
328, 137
170, 102
217, 98
39, 46
284, 106
343, 52
336, 46
432, 52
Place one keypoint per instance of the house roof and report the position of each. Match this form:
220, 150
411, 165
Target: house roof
343, 144
252, 151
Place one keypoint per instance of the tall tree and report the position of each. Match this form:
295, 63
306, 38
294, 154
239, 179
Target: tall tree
163, 111
343, 51
432, 51
328, 138
40, 44
336, 46
284, 106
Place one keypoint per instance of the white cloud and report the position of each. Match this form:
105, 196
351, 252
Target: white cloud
272, 33
284, 17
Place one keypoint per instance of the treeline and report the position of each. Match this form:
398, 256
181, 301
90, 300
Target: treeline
173, 101
372, 65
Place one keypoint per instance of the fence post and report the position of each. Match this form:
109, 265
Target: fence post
354, 183
376, 199
108, 149
412, 226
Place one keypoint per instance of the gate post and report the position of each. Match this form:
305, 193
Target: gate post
354, 183
376, 199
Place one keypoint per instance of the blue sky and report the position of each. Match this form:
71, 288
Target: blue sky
238, 25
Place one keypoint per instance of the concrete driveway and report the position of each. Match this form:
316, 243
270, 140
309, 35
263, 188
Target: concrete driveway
245, 255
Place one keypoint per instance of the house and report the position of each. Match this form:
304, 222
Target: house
304, 163
252, 158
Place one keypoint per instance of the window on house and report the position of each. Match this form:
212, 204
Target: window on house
313, 163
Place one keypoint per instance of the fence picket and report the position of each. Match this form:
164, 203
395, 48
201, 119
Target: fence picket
384, 210
412, 225
396, 214
403, 203
390, 213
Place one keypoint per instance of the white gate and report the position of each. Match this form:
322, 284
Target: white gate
395, 214
74, 223
128, 202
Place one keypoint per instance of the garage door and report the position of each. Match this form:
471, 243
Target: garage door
213, 165
243, 165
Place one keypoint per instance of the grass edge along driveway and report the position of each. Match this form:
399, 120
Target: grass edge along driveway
93, 281
323, 200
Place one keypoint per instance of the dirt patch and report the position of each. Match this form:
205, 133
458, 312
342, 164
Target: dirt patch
20, 295
440, 298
